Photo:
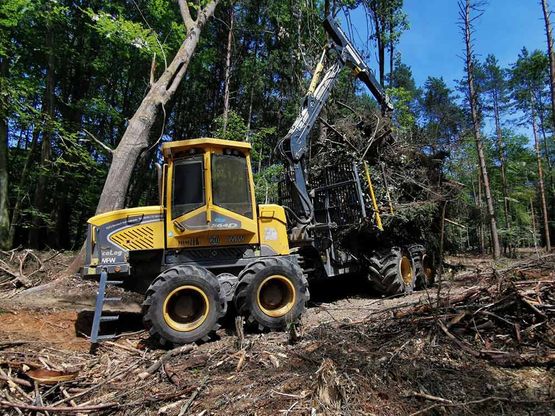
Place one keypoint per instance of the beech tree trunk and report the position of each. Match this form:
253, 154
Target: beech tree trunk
545, 214
228, 70
5, 242
135, 138
473, 99
550, 52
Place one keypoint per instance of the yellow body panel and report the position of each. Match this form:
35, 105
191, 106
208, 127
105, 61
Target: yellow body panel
272, 224
170, 149
140, 228
141, 237
136, 212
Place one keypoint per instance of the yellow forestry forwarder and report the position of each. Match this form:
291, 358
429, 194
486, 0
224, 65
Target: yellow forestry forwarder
211, 245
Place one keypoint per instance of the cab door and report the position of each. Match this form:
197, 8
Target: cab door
186, 200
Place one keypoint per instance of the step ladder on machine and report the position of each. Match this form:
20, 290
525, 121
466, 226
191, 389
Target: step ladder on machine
100, 301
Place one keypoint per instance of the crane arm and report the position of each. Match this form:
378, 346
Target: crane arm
353, 59
318, 93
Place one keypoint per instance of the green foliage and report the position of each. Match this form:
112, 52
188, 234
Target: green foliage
12, 13
403, 116
99, 56
266, 184
123, 32
235, 128
442, 115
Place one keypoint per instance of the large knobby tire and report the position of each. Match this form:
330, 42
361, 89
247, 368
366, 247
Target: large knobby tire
183, 305
390, 272
424, 269
271, 293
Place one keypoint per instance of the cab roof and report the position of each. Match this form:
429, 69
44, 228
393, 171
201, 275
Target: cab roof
169, 149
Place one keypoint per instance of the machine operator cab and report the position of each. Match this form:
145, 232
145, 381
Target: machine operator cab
210, 199
210, 195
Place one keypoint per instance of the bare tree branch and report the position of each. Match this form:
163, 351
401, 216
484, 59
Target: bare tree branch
106, 148
186, 15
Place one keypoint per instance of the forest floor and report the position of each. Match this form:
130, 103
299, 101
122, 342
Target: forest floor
485, 345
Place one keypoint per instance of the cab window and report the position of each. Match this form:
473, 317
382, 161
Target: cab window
188, 185
230, 184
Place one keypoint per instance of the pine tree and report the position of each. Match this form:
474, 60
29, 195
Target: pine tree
465, 14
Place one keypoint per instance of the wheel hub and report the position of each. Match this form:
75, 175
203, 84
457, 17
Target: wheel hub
406, 270
186, 308
276, 296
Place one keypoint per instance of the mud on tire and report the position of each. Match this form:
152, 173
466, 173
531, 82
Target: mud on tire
183, 305
271, 293
390, 272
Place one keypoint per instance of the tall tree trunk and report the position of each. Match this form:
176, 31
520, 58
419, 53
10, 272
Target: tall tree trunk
551, 53
135, 138
228, 69
473, 98
533, 220
391, 52
545, 214
501, 153
477, 193
5, 242
249, 118
381, 46
38, 231
550, 193
481, 211
16, 211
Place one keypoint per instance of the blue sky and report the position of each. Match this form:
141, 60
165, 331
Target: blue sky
433, 46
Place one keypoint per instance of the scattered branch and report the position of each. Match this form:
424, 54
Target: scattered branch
105, 147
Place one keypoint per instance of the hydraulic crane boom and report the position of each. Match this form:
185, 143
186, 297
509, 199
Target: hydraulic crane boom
344, 54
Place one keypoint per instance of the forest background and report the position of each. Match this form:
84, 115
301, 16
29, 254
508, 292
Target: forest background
73, 74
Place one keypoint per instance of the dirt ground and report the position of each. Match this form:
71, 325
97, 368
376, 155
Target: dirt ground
352, 354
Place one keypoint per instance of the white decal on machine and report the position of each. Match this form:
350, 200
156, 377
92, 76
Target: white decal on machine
108, 260
270, 234
108, 253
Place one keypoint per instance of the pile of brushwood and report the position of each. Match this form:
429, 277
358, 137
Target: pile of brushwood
406, 175
484, 349
24, 268
509, 321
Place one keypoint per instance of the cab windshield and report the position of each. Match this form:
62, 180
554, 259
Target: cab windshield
230, 184
188, 185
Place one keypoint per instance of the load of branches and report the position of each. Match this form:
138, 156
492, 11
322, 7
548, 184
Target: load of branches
407, 177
